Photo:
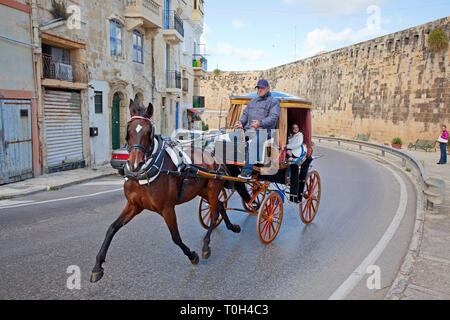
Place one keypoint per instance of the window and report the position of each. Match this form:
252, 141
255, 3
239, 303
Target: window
115, 37
98, 100
138, 55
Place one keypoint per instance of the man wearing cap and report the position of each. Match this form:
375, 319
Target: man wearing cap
261, 112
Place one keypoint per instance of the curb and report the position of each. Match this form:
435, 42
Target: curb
57, 186
401, 281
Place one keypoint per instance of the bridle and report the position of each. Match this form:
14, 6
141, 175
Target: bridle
150, 135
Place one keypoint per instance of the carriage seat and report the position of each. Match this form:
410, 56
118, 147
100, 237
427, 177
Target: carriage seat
298, 160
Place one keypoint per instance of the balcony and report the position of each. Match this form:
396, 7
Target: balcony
146, 13
200, 65
64, 70
173, 32
199, 102
173, 82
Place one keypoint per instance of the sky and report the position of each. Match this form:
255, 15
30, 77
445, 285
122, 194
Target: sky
241, 35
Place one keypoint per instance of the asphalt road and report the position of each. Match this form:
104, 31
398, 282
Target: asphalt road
41, 238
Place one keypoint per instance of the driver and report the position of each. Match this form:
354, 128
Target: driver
261, 112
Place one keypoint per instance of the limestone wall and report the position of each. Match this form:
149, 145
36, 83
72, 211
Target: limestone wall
392, 86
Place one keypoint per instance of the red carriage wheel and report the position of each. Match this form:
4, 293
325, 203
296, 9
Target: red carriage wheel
269, 218
256, 203
311, 197
204, 211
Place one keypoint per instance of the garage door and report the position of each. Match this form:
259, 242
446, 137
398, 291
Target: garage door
63, 130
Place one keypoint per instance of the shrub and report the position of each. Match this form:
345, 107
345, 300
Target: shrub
397, 141
437, 39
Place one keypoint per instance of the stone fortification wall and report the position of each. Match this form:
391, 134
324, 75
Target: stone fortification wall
391, 86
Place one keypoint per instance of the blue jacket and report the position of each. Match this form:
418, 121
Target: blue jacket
266, 109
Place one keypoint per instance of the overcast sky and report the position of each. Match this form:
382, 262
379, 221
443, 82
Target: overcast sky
256, 35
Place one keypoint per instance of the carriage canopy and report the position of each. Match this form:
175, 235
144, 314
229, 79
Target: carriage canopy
293, 110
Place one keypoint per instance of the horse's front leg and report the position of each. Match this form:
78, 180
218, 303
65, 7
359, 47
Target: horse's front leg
128, 213
206, 250
170, 218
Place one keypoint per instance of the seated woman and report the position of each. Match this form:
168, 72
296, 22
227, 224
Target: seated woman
295, 146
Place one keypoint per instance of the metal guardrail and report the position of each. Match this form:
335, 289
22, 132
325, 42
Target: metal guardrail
433, 187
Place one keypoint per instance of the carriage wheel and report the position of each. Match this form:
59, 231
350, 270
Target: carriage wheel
204, 211
269, 218
311, 197
252, 189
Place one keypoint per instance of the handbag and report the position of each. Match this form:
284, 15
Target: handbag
441, 140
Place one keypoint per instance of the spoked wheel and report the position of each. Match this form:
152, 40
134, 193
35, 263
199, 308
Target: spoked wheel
252, 190
269, 218
204, 210
311, 197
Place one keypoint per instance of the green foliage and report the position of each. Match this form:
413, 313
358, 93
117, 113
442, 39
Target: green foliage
217, 72
205, 127
59, 9
397, 141
437, 39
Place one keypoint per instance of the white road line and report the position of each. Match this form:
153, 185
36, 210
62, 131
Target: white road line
8, 203
356, 276
105, 183
57, 200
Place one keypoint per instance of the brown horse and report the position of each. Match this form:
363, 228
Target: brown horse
162, 194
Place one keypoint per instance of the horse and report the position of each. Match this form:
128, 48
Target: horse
162, 194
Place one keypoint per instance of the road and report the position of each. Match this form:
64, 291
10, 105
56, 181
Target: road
42, 235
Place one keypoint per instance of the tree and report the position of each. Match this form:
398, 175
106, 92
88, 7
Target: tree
437, 39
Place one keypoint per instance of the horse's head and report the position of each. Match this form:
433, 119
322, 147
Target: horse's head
140, 134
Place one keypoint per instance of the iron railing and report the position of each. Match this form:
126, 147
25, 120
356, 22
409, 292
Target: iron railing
173, 79
199, 102
173, 21
58, 69
199, 61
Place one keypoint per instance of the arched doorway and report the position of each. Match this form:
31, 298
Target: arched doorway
115, 121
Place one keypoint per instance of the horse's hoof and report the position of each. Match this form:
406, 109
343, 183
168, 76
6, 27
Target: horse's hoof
206, 254
96, 276
196, 259
236, 228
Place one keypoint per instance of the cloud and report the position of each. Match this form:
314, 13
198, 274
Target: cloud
336, 7
226, 49
237, 24
326, 39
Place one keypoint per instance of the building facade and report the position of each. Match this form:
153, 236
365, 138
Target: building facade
88, 65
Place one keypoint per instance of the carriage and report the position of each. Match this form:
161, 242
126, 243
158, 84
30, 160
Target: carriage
293, 181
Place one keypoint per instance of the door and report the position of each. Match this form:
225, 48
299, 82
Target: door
16, 157
63, 128
177, 114
115, 122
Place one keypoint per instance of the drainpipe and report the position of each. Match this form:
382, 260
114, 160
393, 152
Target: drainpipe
36, 114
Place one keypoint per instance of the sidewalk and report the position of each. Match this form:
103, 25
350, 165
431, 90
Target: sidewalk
430, 274
54, 181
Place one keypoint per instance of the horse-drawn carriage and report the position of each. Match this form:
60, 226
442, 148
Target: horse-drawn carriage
264, 195
159, 174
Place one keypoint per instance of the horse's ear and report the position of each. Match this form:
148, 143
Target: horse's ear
132, 108
149, 112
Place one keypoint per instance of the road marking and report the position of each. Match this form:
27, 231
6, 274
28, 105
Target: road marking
105, 183
356, 276
57, 200
8, 203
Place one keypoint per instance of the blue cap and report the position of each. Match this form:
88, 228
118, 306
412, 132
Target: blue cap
263, 83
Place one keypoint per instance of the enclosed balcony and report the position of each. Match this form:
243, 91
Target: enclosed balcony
173, 31
147, 13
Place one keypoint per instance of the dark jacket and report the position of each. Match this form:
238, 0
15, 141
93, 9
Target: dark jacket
266, 109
